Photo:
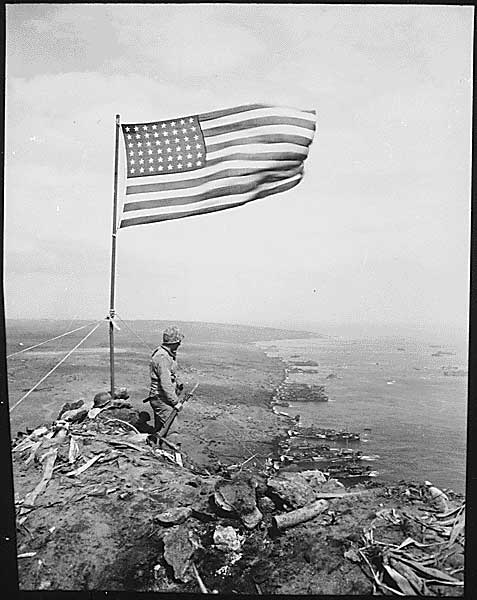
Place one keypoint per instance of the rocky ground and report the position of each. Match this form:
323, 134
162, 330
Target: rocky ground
100, 507
116, 513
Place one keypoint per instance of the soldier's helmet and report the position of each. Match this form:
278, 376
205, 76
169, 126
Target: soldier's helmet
172, 335
101, 399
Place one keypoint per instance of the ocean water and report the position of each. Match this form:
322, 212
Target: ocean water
395, 392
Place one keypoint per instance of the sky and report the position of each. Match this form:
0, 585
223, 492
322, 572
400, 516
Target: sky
374, 239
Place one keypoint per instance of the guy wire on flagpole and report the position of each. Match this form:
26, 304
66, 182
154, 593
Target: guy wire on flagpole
56, 366
113, 257
50, 340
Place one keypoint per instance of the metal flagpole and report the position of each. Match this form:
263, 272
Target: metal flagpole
113, 257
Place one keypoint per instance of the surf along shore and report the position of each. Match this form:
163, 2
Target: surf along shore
137, 521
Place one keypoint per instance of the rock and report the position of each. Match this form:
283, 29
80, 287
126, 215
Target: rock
251, 519
352, 555
315, 478
230, 543
332, 485
69, 406
239, 496
75, 416
266, 504
175, 516
227, 539
179, 547
297, 489
293, 491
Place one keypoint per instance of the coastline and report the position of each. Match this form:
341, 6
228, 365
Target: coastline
99, 530
397, 395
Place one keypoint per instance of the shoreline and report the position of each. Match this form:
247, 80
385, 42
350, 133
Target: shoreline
345, 462
350, 408
100, 529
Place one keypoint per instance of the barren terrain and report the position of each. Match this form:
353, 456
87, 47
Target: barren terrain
104, 528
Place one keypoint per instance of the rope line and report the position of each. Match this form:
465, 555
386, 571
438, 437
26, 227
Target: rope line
50, 340
56, 348
137, 335
56, 366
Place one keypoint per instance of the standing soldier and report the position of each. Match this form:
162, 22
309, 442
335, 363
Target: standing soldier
165, 390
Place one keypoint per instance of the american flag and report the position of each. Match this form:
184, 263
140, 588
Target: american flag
212, 161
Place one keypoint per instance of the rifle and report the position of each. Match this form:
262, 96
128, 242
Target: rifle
175, 411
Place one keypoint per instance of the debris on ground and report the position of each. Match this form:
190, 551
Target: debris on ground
296, 489
228, 542
238, 496
300, 392
179, 547
102, 483
227, 539
175, 516
437, 496
302, 448
414, 567
300, 515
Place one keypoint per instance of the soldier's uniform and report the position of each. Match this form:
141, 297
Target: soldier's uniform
163, 393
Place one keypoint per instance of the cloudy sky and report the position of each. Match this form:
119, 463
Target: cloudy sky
376, 237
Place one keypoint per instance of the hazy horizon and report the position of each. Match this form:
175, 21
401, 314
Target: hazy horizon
348, 330
375, 238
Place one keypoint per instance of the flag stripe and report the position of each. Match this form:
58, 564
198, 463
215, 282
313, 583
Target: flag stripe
251, 157
161, 180
251, 123
256, 195
216, 189
260, 150
258, 114
273, 138
191, 183
223, 200
217, 114
264, 130
191, 192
